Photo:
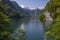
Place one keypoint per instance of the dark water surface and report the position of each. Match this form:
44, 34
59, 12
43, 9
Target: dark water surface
33, 28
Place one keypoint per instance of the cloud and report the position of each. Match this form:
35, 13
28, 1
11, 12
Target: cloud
32, 8
37, 7
41, 8
23, 6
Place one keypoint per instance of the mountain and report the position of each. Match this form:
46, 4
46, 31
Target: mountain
14, 9
37, 11
28, 10
33, 12
19, 9
8, 2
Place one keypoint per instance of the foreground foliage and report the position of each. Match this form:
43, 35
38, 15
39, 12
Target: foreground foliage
4, 24
54, 32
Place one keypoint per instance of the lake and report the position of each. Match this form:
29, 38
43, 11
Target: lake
33, 28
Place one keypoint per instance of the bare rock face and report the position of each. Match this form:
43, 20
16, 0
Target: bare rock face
48, 20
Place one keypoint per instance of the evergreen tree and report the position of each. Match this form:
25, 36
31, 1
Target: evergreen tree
54, 32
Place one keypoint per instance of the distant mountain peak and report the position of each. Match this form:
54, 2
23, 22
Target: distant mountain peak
24, 7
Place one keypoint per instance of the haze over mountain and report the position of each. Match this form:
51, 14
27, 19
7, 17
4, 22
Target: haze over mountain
14, 9
20, 9
26, 10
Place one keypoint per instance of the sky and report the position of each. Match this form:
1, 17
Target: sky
32, 4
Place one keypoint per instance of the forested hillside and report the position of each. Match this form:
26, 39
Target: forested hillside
6, 13
53, 6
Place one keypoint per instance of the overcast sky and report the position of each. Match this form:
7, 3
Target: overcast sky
32, 3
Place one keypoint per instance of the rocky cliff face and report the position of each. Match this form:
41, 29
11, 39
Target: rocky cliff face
48, 20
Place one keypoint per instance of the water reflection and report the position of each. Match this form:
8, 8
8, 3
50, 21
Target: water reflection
22, 26
33, 28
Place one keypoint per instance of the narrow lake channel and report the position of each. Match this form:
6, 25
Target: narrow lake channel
33, 28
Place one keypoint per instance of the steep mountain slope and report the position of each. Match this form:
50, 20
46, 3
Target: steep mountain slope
19, 9
34, 11
28, 10
13, 9
53, 32
8, 2
37, 11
